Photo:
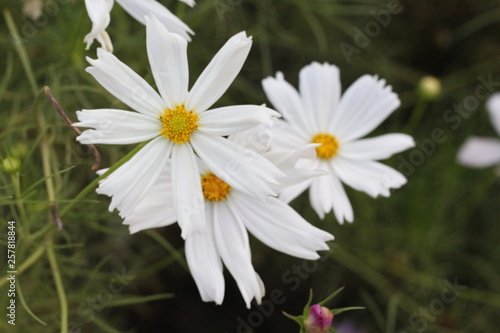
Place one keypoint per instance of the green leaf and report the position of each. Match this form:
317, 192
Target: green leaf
138, 300
335, 293
337, 311
306, 308
298, 319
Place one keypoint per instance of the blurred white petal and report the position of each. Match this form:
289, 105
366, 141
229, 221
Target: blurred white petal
98, 11
233, 119
140, 9
377, 148
493, 106
320, 90
364, 106
479, 152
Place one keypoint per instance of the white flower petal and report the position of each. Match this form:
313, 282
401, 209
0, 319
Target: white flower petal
204, 262
116, 126
140, 9
167, 54
365, 104
125, 84
241, 168
478, 152
128, 185
327, 192
287, 136
288, 102
98, 11
493, 106
371, 177
186, 186
286, 159
320, 89
377, 148
278, 226
231, 239
233, 119
156, 208
190, 3
291, 192
219, 73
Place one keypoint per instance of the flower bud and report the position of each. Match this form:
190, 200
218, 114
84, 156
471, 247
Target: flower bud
429, 87
319, 320
10, 164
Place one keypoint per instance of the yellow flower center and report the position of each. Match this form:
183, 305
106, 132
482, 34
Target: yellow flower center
214, 188
178, 124
329, 145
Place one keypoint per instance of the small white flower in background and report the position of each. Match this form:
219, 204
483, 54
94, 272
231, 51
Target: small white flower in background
98, 11
179, 125
481, 152
33, 8
229, 213
318, 114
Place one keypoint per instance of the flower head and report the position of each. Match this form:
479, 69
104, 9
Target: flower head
480, 152
229, 213
177, 125
319, 320
99, 10
317, 114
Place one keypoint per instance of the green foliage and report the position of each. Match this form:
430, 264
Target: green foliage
395, 259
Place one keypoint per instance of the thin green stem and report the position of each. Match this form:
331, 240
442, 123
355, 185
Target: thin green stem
58, 282
19, 47
27, 263
24, 228
416, 115
166, 244
25, 305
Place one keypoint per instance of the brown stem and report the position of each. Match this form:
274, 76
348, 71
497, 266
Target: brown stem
56, 217
68, 121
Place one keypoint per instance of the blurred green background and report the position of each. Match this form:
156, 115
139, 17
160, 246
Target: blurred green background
394, 259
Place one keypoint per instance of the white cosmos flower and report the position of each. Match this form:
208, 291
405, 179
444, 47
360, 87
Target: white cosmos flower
229, 213
480, 152
318, 114
179, 125
98, 11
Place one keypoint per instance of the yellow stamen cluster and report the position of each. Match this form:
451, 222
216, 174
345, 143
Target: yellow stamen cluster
214, 188
329, 145
178, 124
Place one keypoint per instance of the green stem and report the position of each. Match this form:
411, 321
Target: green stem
416, 115
58, 282
25, 305
27, 263
24, 228
19, 47
173, 251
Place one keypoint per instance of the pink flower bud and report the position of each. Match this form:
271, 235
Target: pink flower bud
319, 320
